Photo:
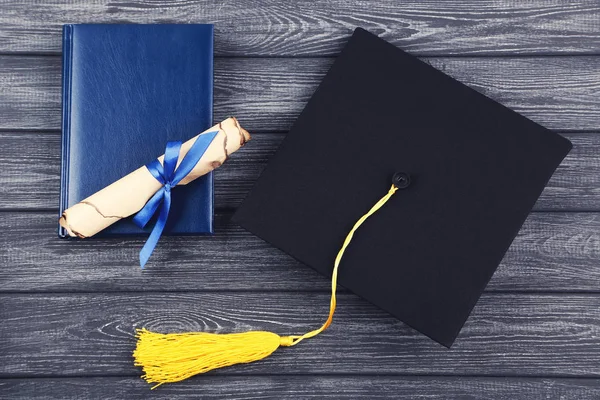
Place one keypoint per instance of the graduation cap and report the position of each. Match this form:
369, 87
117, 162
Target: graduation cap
458, 172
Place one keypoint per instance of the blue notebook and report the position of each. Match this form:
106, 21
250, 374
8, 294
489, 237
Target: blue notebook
127, 91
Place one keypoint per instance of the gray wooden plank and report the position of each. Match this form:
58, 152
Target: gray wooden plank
306, 387
554, 252
31, 170
507, 334
267, 94
292, 27
30, 162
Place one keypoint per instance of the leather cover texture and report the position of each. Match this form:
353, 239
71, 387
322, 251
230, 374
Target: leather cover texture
477, 170
127, 91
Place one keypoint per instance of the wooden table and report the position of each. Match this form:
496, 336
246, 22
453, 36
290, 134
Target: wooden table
68, 309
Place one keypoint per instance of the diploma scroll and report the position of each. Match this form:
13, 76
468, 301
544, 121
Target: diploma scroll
129, 194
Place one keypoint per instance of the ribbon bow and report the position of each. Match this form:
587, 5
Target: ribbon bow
168, 176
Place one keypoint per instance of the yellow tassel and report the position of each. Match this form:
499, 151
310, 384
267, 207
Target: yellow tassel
173, 357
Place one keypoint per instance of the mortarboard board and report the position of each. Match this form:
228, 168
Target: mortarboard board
469, 168
477, 169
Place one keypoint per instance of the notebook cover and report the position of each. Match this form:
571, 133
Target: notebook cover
127, 91
426, 256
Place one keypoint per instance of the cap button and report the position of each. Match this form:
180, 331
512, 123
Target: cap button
401, 180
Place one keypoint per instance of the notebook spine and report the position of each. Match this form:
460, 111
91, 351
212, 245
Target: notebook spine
210, 178
66, 119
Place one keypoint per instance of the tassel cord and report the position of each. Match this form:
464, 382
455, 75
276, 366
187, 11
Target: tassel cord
293, 340
173, 357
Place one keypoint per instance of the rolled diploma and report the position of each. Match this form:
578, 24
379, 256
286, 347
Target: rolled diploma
129, 194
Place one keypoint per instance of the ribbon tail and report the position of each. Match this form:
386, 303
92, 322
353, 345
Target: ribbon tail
152, 241
146, 213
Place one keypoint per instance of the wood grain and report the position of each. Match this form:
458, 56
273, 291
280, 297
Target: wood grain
300, 387
554, 252
268, 94
92, 334
30, 162
293, 27
68, 308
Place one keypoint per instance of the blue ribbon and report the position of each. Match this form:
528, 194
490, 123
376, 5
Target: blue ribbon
169, 177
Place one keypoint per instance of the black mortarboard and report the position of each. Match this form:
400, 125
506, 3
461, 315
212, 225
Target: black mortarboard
461, 173
476, 169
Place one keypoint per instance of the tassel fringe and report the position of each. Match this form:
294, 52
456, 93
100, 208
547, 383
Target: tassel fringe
173, 357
